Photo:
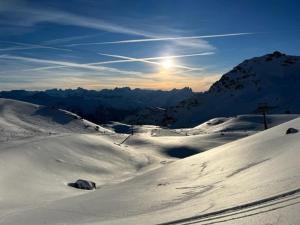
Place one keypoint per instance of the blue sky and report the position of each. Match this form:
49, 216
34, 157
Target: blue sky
160, 44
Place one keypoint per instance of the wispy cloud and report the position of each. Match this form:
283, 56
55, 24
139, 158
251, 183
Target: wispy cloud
29, 15
126, 60
164, 81
161, 39
27, 46
130, 59
26, 15
61, 69
64, 64
179, 56
68, 39
145, 60
63, 80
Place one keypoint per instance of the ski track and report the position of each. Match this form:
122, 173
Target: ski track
245, 210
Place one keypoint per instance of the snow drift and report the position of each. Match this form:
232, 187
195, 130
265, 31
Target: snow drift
254, 180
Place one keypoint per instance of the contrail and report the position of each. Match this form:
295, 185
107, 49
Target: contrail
130, 59
24, 46
161, 39
64, 64
179, 56
124, 61
148, 61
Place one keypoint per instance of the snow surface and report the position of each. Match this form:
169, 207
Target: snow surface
253, 180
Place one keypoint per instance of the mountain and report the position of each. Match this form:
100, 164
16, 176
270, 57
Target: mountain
104, 105
234, 180
272, 80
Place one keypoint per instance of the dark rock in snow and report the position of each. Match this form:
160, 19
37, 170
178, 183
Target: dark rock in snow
291, 131
83, 184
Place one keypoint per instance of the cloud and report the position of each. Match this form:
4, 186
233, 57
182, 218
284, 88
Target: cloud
158, 81
26, 15
128, 59
68, 39
190, 42
30, 15
48, 73
161, 39
27, 46
75, 75
179, 56
64, 64
146, 60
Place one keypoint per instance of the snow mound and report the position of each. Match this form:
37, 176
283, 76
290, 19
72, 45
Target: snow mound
20, 120
245, 123
242, 182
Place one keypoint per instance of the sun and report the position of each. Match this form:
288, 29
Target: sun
167, 64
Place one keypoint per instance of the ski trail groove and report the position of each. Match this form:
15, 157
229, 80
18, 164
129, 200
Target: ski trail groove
240, 209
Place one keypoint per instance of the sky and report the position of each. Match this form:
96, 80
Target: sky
152, 44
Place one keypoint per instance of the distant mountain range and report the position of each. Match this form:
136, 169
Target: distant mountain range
272, 80
104, 105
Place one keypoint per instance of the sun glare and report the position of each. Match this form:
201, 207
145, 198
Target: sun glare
167, 63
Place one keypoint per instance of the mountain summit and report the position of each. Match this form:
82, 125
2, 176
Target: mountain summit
272, 79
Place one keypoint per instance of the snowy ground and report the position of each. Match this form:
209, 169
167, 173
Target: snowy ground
146, 179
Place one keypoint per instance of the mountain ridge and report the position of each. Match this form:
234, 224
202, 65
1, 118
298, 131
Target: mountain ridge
104, 105
272, 79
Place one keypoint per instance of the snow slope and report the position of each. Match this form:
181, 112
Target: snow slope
180, 143
250, 173
246, 123
23, 120
43, 149
256, 175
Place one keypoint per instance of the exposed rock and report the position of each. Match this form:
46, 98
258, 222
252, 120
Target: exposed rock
83, 184
291, 131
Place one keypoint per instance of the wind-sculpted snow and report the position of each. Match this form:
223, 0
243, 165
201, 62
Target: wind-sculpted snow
22, 120
138, 181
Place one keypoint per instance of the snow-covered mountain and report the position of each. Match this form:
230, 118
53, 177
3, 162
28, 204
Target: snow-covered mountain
104, 105
145, 180
272, 79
